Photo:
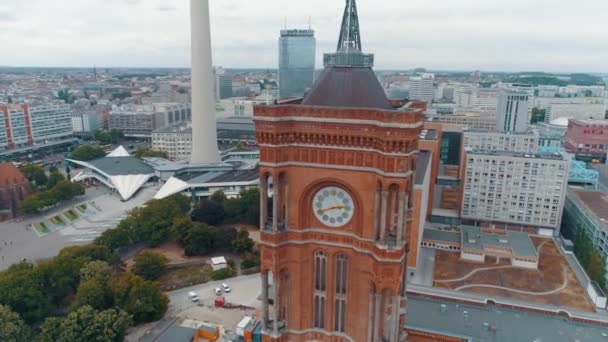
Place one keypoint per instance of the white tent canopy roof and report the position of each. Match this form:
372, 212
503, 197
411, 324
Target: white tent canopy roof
120, 151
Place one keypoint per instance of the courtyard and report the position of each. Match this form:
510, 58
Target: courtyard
554, 283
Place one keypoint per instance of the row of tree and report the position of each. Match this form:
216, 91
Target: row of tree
87, 152
88, 281
218, 209
63, 190
112, 136
37, 177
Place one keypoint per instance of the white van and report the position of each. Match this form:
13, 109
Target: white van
193, 296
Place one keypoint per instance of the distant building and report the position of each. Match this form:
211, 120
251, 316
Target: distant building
14, 188
587, 137
515, 189
85, 121
513, 112
142, 120
472, 99
421, 87
296, 62
469, 121
223, 84
496, 141
24, 125
590, 111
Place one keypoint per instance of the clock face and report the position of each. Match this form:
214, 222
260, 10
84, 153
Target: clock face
333, 206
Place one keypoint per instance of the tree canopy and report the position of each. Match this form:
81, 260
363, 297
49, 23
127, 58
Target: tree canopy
141, 298
62, 191
146, 153
12, 326
112, 136
87, 152
149, 265
209, 212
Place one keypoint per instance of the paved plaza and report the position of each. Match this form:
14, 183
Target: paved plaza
19, 239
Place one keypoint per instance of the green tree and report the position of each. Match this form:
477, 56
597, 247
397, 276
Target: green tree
243, 243
224, 273
54, 178
12, 327
209, 212
181, 228
65, 190
93, 293
218, 197
596, 269
245, 208
116, 135
86, 324
149, 265
199, 241
141, 298
538, 115
98, 270
223, 237
87, 152
103, 137
35, 174
145, 153
21, 288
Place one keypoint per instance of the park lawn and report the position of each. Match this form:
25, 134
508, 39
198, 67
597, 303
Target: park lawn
57, 220
183, 277
71, 215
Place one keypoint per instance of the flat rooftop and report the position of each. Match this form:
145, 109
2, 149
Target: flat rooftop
491, 323
441, 235
422, 164
596, 202
519, 242
551, 156
122, 166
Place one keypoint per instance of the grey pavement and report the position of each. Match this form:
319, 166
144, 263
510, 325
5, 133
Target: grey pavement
19, 241
425, 273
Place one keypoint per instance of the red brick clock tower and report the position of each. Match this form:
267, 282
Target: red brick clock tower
336, 177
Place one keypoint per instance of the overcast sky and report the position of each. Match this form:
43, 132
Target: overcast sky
512, 35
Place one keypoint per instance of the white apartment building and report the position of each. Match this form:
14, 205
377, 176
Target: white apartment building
541, 102
497, 141
470, 98
142, 120
524, 190
175, 141
487, 123
85, 121
421, 87
513, 113
25, 125
577, 111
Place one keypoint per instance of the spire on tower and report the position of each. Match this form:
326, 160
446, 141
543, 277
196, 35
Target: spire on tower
350, 37
349, 52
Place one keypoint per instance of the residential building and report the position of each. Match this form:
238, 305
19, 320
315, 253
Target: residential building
515, 189
513, 112
86, 121
497, 141
487, 123
297, 50
469, 98
421, 87
27, 125
142, 120
588, 210
223, 83
590, 111
587, 137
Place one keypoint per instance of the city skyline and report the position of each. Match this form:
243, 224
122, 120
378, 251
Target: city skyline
135, 33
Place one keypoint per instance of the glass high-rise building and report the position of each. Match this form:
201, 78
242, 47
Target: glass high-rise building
296, 62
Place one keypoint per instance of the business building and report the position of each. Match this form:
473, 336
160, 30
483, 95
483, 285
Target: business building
497, 141
515, 190
86, 121
223, 83
23, 125
469, 98
588, 210
513, 112
421, 87
481, 122
297, 50
587, 138
141, 120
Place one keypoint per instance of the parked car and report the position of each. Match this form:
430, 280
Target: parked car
218, 291
193, 296
225, 287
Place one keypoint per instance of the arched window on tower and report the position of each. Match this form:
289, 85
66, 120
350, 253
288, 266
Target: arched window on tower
340, 298
320, 295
